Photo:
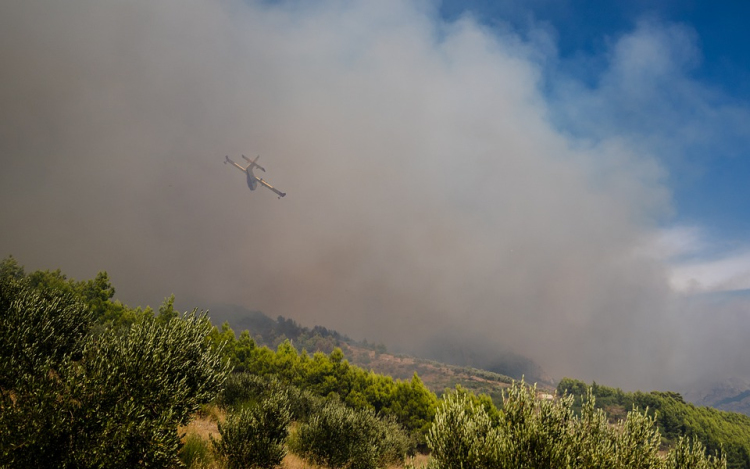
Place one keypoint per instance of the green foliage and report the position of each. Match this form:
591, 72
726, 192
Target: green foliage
167, 311
38, 328
691, 455
242, 389
41, 331
341, 437
409, 402
717, 431
11, 269
462, 435
254, 436
96, 294
134, 389
532, 433
70, 398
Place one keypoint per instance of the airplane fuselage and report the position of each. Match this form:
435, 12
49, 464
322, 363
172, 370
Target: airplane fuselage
252, 182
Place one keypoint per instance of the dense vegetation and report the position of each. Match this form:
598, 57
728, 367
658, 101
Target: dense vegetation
74, 393
533, 433
716, 429
89, 382
410, 403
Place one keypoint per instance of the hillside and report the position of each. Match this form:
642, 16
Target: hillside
436, 375
467, 365
732, 395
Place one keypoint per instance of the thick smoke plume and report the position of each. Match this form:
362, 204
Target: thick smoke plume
429, 195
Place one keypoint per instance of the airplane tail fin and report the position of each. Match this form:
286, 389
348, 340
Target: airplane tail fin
254, 163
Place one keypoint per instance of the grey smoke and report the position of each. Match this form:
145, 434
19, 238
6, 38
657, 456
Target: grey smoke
428, 191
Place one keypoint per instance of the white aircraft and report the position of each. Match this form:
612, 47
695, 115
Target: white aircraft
252, 179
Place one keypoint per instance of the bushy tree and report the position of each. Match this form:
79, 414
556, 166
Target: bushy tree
135, 388
341, 437
462, 435
41, 332
11, 269
533, 432
688, 454
243, 389
254, 436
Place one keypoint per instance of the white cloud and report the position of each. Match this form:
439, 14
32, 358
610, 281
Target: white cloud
725, 274
699, 263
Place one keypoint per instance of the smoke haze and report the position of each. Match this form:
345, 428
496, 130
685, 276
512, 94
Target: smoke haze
429, 192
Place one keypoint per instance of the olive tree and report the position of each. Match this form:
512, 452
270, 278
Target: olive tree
338, 436
532, 433
255, 435
72, 398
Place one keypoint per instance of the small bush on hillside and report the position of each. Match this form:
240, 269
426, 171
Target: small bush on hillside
341, 437
254, 435
242, 389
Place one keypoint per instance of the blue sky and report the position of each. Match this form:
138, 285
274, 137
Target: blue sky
707, 88
586, 27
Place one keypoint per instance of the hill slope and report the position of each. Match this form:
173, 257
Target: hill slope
436, 373
731, 395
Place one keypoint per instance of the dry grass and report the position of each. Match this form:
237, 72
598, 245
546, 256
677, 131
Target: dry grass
294, 462
205, 423
418, 461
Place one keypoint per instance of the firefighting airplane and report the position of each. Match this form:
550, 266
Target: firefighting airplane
252, 179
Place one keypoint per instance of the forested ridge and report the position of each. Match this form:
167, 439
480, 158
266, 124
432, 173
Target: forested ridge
86, 381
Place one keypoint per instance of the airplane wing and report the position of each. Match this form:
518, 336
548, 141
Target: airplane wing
278, 192
229, 160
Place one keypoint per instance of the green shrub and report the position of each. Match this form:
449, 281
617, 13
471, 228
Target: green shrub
687, 455
540, 434
462, 435
254, 436
341, 437
243, 389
